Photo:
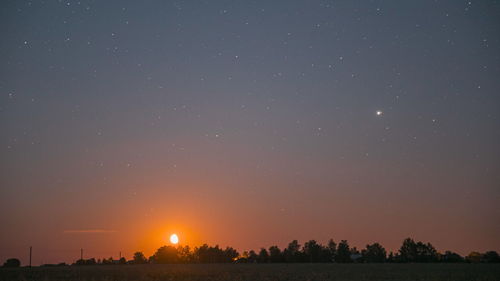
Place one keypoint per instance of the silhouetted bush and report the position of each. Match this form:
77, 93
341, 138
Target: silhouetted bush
91, 261
449, 256
12, 263
54, 265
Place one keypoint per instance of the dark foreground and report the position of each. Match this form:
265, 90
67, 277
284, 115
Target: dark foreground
256, 272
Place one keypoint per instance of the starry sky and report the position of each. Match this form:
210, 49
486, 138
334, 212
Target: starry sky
247, 123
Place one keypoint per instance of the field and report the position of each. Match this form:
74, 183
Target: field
256, 272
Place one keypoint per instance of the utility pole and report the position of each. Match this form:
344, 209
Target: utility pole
31, 250
120, 255
81, 254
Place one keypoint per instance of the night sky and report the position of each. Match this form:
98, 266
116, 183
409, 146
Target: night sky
248, 124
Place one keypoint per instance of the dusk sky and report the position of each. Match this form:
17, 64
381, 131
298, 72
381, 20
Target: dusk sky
247, 124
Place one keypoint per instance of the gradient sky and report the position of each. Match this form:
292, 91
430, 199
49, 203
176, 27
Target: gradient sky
247, 123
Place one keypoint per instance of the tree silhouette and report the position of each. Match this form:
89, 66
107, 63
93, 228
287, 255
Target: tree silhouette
417, 252
165, 254
202, 254
474, 257
426, 252
184, 254
252, 256
275, 254
332, 248
292, 252
343, 252
139, 258
491, 256
313, 251
374, 253
408, 251
391, 257
230, 254
263, 256
207, 254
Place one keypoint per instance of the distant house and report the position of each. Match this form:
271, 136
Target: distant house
355, 257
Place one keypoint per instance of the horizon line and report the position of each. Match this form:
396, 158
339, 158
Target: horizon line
88, 231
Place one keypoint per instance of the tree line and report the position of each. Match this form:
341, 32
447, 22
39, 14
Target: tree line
311, 252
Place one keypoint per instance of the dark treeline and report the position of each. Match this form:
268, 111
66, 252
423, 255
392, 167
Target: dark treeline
311, 252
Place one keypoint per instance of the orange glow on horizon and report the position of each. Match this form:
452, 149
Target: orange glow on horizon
155, 237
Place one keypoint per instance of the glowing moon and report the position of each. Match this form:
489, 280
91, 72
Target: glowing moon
174, 239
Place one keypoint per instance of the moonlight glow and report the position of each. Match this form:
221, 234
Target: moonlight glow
174, 239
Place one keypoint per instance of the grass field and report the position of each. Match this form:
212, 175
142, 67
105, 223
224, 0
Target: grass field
257, 272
